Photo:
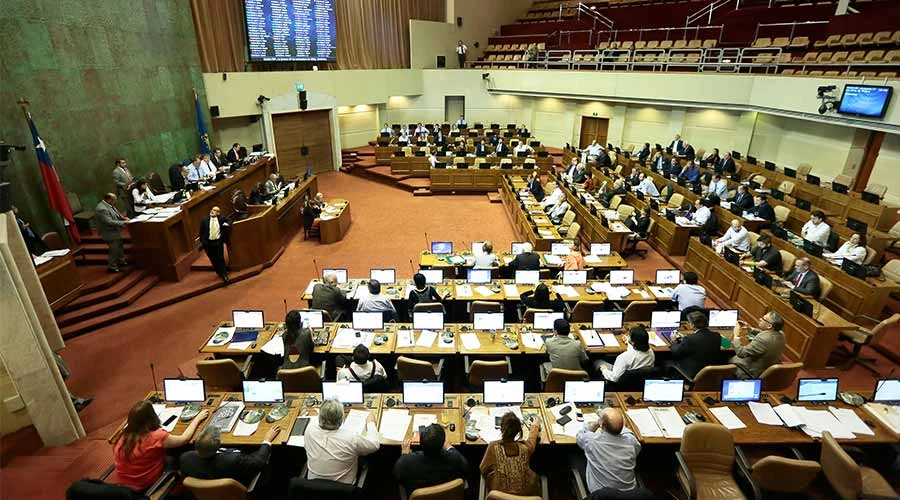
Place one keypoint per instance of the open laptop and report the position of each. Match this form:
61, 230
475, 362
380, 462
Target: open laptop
887, 390
423, 393
423, 320
857, 226
813, 248
184, 390
348, 393
504, 392
433, 276
621, 277
478, 276
368, 320
800, 304
668, 276
477, 247
762, 277
545, 320
527, 277
854, 269
263, 391
817, 390
601, 249
441, 247
517, 247
732, 256
607, 320
313, 318
559, 248
584, 392
665, 322
383, 276
247, 320
741, 391
574, 277
663, 391
723, 318
487, 321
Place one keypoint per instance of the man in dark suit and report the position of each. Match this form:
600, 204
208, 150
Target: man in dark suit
535, 187
673, 168
694, 351
526, 261
208, 462
688, 152
234, 154
213, 231
742, 199
677, 145
762, 209
480, 149
176, 177
218, 158
327, 296
501, 147
804, 280
726, 165
659, 161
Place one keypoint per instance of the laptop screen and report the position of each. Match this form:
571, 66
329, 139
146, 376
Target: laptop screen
668, 276
508, 392
591, 391
517, 248
477, 247
340, 274
368, 320
314, 319
817, 389
607, 319
347, 393
479, 276
544, 320
887, 389
433, 276
559, 248
723, 318
621, 277
528, 277
661, 320
663, 391
428, 320
247, 319
260, 391
189, 390
740, 391
423, 393
383, 276
488, 321
601, 249
574, 277
441, 247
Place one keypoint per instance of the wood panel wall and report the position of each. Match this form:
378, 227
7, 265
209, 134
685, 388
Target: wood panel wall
294, 130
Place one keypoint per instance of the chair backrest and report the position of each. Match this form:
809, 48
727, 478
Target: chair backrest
484, 306
786, 187
843, 179
499, 495
304, 379
878, 189
761, 179
784, 475
870, 255
710, 377
752, 237
891, 270
804, 168
429, 307
568, 219
633, 380
481, 370
301, 488
708, 449
53, 241
215, 489
825, 286
220, 373
414, 369
556, 379
880, 329
583, 312
74, 202
787, 260
614, 202
676, 200
780, 376
574, 230
639, 310
157, 186
528, 315
781, 213
840, 469
452, 490
625, 211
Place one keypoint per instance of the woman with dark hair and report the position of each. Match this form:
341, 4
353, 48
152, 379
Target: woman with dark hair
258, 194
540, 299
140, 451
298, 343
506, 462
637, 355
421, 293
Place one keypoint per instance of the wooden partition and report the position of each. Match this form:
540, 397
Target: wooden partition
254, 240
165, 248
294, 131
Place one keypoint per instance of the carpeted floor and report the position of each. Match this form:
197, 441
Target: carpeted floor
112, 363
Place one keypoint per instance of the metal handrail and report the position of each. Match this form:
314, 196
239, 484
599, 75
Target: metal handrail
792, 25
596, 16
708, 11
614, 34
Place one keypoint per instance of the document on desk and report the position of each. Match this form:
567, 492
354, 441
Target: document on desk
889, 415
727, 417
507, 259
643, 420
394, 424
764, 413
640, 291
405, 338
464, 290
355, 421
788, 415
470, 341
532, 341
456, 260
851, 421
242, 429
484, 291
40, 259
510, 291
240, 346
566, 290
617, 292
609, 339
552, 260
669, 421
592, 259
346, 338
591, 339
426, 338
420, 420
662, 293
275, 346
815, 422
165, 413
55, 253
656, 340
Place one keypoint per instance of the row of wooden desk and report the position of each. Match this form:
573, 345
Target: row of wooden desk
460, 260
482, 180
589, 212
527, 217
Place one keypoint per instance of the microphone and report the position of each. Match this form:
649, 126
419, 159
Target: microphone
155, 397
427, 244
181, 374
316, 265
411, 267
285, 307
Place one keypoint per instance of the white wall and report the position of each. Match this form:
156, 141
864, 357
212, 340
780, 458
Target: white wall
887, 168
790, 142
237, 129
358, 124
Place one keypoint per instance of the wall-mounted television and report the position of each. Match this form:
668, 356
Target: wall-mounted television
291, 30
867, 101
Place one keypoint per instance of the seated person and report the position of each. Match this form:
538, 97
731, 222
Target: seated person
574, 260
374, 301
611, 450
570, 170
726, 165
702, 213
659, 162
644, 153
691, 174
363, 367
688, 152
487, 259
853, 250
140, 450
673, 169
618, 188
558, 210
298, 343
565, 351
208, 169
403, 139
689, 293
311, 213
143, 197
386, 129
737, 238
742, 199
579, 176
329, 297
647, 187
258, 195
33, 242
765, 347
506, 463
522, 147
539, 298
526, 261
815, 229
421, 292
272, 185
693, 351
332, 452
637, 355
591, 183
765, 255
761, 208
556, 194
207, 461
718, 187
803, 279
535, 187
713, 158
437, 463
639, 222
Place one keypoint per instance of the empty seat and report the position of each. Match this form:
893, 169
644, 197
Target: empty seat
824, 57
848, 40
865, 39
800, 42
892, 56
839, 56
831, 41
787, 72
781, 42
809, 57
875, 56
832, 73
816, 72
867, 73
615, 45
887, 74
640, 44
627, 45
694, 44
680, 44
602, 45
857, 56
709, 44
653, 44
762, 42
881, 37
665, 44
849, 73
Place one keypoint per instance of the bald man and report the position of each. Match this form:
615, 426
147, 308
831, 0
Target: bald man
611, 450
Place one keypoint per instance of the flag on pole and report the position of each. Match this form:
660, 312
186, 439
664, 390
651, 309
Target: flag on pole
201, 127
55, 193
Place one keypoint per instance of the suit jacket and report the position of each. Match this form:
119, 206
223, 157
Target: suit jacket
232, 156
226, 464
764, 211
643, 155
108, 222
481, 148
762, 352
810, 285
502, 148
743, 200
689, 153
638, 224
660, 163
526, 262
329, 298
204, 231
122, 178
219, 161
579, 176
677, 146
536, 189
176, 180
697, 350
727, 166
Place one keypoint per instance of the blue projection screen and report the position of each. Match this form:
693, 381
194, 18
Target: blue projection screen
290, 30
869, 101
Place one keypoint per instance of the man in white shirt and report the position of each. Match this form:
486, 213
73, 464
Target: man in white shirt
558, 211
387, 130
432, 159
555, 195
522, 148
332, 452
815, 229
637, 355
689, 293
701, 212
207, 169
420, 129
647, 187
737, 237
718, 187
570, 170
462, 121
403, 140
195, 172
501, 148
374, 301
611, 450
854, 250
461, 50
677, 145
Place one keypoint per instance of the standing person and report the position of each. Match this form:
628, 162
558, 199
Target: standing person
506, 462
123, 179
461, 50
212, 238
109, 223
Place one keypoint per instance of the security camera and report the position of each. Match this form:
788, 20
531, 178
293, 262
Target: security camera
485, 76
826, 89
262, 99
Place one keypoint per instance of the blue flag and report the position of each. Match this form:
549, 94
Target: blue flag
201, 128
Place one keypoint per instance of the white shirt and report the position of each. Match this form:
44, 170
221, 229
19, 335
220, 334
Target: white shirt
554, 197
521, 147
207, 169
432, 160
739, 239
141, 200
689, 295
363, 371
559, 210
421, 130
333, 455
647, 187
485, 261
702, 215
720, 188
631, 359
853, 253
816, 233
387, 130
594, 149
461, 49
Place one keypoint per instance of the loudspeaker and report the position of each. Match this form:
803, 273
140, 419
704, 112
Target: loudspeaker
459, 21
5, 200
304, 150
303, 104
301, 97
441, 62
213, 111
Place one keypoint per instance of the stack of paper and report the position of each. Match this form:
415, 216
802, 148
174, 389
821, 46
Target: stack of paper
669, 421
55, 253
347, 338
470, 341
553, 260
275, 346
815, 422
165, 413
609, 340
849, 419
394, 424
566, 290
661, 292
405, 338
643, 420
640, 291
888, 415
244, 429
355, 421
310, 286
464, 290
40, 259
426, 338
591, 339
656, 340
764, 413
532, 340
592, 259
423, 420
727, 417
484, 291
511, 291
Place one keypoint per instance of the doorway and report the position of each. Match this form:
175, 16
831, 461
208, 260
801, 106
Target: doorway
593, 129
454, 105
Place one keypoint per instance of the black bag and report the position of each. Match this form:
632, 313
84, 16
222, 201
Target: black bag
375, 383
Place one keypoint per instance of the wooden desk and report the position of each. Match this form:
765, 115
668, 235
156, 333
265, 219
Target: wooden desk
882, 433
290, 208
165, 248
60, 280
333, 227
428, 260
223, 351
689, 403
588, 213
525, 214
254, 240
531, 409
755, 433
450, 412
549, 419
470, 179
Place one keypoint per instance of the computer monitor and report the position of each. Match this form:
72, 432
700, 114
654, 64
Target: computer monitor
723, 318
478, 276
607, 320
517, 247
477, 247
559, 248
247, 319
528, 277
751, 160
790, 172
487, 321
817, 390
584, 391
383, 276
813, 179
813, 248
621, 277
545, 320
340, 274
441, 247
423, 393
574, 277
857, 226
665, 320
313, 318
839, 188
348, 393
184, 390
663, 391
769, 165
800, 304
668, 276
368, 320
732, 256
762, 277
427, 320
887, 389
263, 391
601, 249
741, 391
803, 204
433, 276
504, 392
870, 197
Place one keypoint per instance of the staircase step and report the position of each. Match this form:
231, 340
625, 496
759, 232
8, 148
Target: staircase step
132, 294
494, 197
110, 293
101, 248
423, 192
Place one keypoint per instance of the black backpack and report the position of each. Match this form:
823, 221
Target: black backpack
375, 383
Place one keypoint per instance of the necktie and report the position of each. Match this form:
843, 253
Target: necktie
799, 278
214, 232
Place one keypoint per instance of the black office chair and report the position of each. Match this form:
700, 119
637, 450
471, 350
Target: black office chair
322, 489
310, 228
633, 380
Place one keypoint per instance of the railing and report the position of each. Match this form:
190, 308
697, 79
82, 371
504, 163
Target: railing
614, 34
792, 25
707, 11
598, 18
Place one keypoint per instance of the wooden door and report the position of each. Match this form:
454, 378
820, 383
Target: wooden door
593, 129
293, 132
454, 105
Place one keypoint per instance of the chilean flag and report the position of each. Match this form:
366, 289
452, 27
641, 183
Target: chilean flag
55, 193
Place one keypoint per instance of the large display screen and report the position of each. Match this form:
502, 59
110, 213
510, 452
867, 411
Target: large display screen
869, 101
291, 30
